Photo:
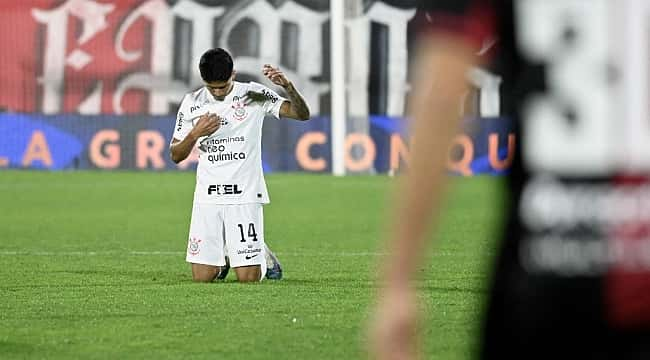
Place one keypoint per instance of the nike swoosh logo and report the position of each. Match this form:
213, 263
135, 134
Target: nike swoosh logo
248, 257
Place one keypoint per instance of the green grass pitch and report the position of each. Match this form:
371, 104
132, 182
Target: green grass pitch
92, 266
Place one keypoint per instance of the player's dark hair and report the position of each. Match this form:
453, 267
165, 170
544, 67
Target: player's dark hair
215, 65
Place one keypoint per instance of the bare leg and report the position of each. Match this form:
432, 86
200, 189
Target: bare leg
204, 273
251, 273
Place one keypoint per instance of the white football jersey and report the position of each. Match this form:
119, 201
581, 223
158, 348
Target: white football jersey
230, 160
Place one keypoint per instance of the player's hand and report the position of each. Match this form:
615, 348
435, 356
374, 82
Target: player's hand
392, 333
254, 96
207, 124
275, 75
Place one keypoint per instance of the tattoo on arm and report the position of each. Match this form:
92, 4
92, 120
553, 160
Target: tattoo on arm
299, 106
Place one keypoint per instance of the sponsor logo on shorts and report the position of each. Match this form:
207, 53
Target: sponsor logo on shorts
224, 189
250, 253
193, 246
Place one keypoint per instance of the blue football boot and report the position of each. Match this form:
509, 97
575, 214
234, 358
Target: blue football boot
273, 266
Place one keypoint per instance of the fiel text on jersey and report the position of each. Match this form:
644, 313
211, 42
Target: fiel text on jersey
225, 189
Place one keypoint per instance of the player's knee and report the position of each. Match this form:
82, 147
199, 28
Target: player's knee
249, 274
204, 278
203, 273
249, 278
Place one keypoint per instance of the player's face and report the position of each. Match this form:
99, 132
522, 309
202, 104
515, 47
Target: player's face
219, 89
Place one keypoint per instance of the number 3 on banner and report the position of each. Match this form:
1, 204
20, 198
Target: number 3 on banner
567, 130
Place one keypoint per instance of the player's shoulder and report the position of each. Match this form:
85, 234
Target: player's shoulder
265, 90
247, 86
194, 99
196, 95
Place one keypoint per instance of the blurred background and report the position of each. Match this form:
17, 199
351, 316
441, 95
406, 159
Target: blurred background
95, 214
90, 84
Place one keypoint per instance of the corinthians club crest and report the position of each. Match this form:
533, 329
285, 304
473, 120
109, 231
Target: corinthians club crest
193, 246
240, 110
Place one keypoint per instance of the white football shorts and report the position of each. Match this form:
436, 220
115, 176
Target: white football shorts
236, 231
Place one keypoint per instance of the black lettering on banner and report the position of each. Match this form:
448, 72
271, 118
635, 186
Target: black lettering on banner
251, 232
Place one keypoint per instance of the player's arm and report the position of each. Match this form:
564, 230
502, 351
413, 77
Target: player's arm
435, 111
294, 108
441, 66
206, 125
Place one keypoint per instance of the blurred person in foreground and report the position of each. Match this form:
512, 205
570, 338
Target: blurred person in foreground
223, 119
572, 276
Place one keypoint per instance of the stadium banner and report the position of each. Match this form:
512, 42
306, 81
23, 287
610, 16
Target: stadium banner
62, 142
95, 84
131, 57
140, 56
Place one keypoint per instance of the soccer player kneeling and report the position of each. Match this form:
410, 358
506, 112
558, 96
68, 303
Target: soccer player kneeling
223, 120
